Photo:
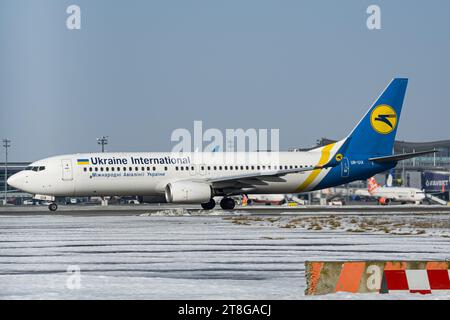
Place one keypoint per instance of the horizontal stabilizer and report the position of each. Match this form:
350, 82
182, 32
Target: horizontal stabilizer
399, 157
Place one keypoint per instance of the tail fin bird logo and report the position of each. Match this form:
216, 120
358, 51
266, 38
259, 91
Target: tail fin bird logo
383, 119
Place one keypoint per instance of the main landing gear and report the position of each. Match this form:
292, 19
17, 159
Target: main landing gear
227, 204
209, 205
52, 207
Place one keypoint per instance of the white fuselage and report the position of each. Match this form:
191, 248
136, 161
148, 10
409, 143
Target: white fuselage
401, 194
143, 174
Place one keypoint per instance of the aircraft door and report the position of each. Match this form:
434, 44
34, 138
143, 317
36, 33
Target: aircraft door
345, 168
67, 174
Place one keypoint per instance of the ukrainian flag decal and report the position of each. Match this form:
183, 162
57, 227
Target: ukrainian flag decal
83, 161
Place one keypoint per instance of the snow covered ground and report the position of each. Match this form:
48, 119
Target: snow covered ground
154, 256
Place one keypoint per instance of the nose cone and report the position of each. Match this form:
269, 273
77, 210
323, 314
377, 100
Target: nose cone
15, 181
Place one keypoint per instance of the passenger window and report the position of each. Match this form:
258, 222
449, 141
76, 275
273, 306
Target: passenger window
182, 168
258, 167
101, 169
90, 169
96, 168
130, 169
290, 167
202, 168
176, 168
209, 168
85, 169
220, 167
107, 168
112, 168
118, 168
215, 167
136, 169
154, 168
242, 167
165, 168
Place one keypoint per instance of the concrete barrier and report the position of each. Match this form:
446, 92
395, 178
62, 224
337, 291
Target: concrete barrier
423, 277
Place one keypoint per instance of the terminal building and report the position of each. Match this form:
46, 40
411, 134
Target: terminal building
14, 196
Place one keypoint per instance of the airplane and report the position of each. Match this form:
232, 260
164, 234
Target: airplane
401, 194
266, 198
198, 177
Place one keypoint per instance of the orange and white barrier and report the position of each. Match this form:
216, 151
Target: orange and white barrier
425, 277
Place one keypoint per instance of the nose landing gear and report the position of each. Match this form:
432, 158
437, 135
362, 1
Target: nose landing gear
52, 207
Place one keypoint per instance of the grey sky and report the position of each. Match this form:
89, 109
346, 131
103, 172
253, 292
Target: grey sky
139, 69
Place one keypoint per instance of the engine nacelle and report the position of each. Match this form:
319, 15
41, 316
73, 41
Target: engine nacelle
188, 192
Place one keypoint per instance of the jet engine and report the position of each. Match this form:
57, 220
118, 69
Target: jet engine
188, 192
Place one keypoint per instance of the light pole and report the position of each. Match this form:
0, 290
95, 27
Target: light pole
103, 141
6, 145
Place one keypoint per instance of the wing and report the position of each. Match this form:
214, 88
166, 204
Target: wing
249, 180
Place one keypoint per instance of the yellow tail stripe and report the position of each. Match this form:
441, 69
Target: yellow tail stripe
323, 160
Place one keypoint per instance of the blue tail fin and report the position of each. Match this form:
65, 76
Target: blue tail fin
375, 133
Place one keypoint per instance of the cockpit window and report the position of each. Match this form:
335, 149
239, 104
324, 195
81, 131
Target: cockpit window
40, 168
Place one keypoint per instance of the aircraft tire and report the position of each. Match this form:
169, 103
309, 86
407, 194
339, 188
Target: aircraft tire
209, 205
227, 204
52, 207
